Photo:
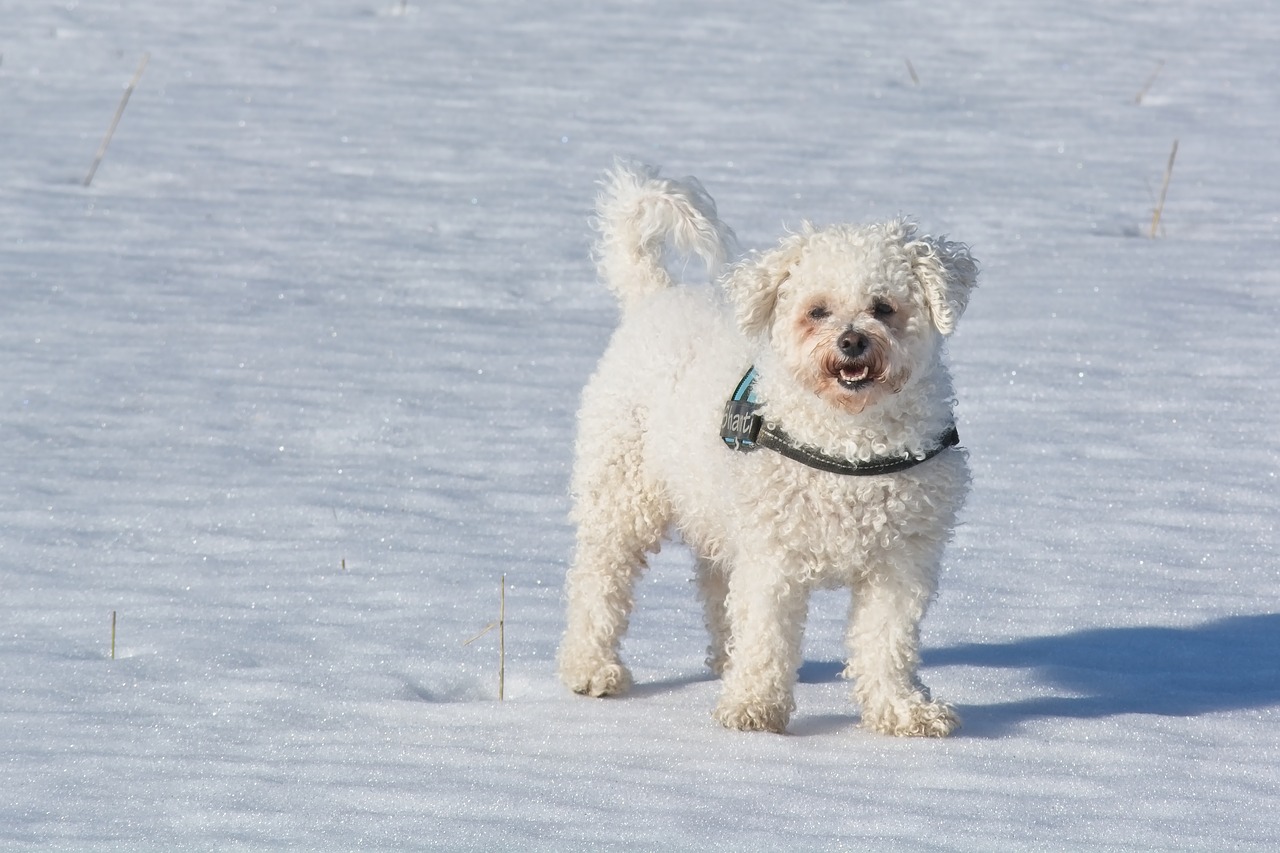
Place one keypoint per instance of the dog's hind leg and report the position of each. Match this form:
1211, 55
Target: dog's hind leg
621, 517
713, 588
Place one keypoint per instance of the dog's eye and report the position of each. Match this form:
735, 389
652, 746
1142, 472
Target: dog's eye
819, 312
882, 309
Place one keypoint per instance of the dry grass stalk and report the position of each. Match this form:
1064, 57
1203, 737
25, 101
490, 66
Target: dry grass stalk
115, 120
1150, 80
1164, 191
501, 625
911, 69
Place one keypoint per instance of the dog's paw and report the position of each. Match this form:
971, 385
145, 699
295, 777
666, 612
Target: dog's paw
914, 719
754, 716
601, 679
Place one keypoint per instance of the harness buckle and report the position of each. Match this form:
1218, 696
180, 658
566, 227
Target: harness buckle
741, 425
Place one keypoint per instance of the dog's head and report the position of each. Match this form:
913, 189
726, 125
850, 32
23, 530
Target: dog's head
854, 313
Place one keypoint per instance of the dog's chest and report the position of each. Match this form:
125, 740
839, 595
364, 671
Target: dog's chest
835, 527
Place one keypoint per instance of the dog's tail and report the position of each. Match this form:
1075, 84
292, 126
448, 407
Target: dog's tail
638, 214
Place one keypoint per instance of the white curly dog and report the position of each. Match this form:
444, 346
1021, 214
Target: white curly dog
796, 432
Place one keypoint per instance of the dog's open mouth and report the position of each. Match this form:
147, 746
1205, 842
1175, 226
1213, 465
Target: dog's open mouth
853, 376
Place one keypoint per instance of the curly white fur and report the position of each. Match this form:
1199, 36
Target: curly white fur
845, 326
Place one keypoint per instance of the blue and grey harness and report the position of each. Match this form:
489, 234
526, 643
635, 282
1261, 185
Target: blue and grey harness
745, 430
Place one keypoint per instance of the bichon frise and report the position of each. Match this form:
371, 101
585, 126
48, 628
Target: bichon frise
797, 433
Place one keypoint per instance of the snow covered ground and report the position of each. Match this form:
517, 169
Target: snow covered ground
291, 386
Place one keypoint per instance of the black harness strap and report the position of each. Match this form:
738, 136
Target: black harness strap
743, 429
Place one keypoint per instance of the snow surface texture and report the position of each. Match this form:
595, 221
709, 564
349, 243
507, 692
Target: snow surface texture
328, 302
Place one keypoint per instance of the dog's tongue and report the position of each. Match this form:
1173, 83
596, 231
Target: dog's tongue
854, 374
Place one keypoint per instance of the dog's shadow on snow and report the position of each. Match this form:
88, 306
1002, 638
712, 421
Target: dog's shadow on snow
1225, 665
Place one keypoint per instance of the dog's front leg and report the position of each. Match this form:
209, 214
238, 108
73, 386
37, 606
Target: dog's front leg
767, 613
884, 655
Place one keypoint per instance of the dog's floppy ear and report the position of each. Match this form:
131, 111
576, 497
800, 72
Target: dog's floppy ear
947, 272
753, 285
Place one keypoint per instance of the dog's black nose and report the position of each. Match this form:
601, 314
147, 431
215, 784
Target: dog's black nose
852, 344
